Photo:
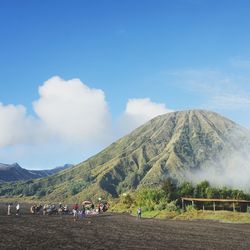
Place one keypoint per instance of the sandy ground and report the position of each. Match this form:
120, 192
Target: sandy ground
116, 231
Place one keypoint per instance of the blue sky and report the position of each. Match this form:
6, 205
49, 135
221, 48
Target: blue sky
178, 54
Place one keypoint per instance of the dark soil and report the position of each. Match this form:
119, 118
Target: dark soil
116, 231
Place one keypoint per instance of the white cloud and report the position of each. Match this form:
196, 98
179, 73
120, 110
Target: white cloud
139, 111
71, 121
67, 111
72, 111
16, 126
231, 167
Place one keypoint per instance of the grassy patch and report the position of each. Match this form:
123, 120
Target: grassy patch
191, 214
222, 216
30, 199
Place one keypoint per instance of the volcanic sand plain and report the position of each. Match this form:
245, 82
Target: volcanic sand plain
116, 231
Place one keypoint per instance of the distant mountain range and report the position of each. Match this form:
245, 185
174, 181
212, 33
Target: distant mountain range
171, 145
15, 172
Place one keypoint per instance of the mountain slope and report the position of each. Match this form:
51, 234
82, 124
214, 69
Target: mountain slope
173, 144
14, 172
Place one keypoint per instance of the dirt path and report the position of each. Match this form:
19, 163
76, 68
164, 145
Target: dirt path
113, 231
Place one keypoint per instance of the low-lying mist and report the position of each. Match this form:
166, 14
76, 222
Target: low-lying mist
230, 167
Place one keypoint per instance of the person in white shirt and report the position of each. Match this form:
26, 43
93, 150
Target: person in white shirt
139, 213
9, 209
17, 208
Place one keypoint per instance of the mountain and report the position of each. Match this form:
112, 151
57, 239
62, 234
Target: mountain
170, 145
14, 172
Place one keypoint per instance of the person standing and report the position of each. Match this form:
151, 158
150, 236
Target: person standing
17, 208
9, 209
44, 209
139, 213
83, 211
75, 211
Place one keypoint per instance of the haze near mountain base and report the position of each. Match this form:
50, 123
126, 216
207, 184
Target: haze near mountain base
192, 145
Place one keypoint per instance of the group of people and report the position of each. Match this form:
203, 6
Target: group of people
77, 211
102, 207
35, 209
86, 208
9, 211
49, 209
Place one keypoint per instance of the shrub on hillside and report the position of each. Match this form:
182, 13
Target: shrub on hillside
190, 208
186, 189
161, 206
170, 189
200, 190
75, 188
171, 206
150, 197
127, 200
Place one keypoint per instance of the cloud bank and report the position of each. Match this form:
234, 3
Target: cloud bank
67, 111
232, 171
17, 127
71, 113
231, 167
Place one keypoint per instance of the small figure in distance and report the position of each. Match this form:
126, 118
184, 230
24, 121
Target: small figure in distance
83, 211
33, 209
75, 211
44, 209
9, 209
61, 208
139, 213
17, 208
66, 210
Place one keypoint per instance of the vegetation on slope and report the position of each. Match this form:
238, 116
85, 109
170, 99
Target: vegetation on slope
165, 202
170, 145
168, 196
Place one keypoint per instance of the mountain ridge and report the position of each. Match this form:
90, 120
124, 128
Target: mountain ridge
170, 145
14, 172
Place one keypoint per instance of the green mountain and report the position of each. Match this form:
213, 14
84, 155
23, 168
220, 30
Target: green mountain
13, 172
169, 145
